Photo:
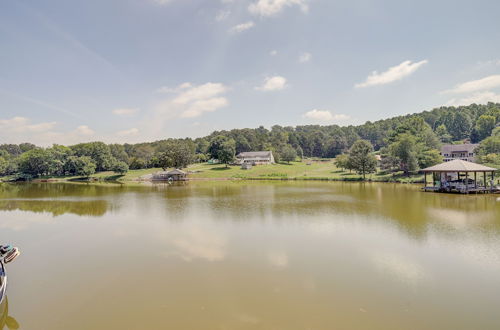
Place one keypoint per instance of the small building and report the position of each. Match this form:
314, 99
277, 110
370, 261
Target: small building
465, 152
246, 166
256, 157
460, 176
174, 175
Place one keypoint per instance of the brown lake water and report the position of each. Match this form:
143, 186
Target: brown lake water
250, 255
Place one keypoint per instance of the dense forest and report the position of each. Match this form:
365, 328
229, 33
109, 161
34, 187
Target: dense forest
405, 143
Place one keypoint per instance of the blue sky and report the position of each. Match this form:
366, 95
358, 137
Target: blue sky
141, 70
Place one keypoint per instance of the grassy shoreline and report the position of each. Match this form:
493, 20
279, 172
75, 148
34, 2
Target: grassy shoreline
323, 170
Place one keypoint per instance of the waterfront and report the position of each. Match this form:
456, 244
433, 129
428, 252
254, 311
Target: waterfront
251, 255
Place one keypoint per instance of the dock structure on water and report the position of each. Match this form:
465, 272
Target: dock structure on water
461, 176
174, 175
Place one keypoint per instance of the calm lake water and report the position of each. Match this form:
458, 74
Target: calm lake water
240, 255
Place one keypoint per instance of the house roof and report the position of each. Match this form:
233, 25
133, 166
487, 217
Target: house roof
255, 154
468, 147
176, 171
459, 165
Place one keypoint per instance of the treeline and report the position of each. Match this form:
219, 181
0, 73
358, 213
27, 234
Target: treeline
404, 142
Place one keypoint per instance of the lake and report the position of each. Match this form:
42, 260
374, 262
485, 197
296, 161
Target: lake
251, 255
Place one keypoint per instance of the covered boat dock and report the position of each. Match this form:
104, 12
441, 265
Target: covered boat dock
460, 176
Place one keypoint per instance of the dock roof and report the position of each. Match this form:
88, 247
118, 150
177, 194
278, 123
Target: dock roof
459, 165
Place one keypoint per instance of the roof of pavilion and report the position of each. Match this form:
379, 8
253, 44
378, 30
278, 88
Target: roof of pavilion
459, 165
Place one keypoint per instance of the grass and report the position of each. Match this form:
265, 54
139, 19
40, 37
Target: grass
320, 170
317, 170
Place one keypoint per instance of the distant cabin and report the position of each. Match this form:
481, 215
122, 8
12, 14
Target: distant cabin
174, 175
465, 152
246, 166
256, 157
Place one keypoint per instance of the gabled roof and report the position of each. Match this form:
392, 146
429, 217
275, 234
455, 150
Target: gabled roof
468, 147
176, 171
255, 154
459, 165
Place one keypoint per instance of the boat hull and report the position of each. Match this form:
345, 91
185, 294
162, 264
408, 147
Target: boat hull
3, 282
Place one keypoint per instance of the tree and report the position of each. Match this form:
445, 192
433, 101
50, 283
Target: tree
405, 150
389, 163
429, 158
81, 166
484, 125
176, 154
442, 133
98, 151
227, 152
35, 162
118, 152
300, 152
462, 126
489, 149
4, 165
120, 167
288, 154
216, 145
361, 158
342, 161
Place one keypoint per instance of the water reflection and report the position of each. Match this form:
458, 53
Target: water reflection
267, 255
95, 208
7, 321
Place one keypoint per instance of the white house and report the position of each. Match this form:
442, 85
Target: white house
256, 157
465, 152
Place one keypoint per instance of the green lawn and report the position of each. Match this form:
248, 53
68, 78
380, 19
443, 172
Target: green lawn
325, 170
317, 170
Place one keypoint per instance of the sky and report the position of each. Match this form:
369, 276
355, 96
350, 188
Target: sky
143, 70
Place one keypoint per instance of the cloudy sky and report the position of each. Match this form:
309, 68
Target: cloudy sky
140, 70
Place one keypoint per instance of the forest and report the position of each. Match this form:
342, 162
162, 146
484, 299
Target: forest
404, 143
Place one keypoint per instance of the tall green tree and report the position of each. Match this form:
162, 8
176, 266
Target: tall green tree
288, 154
36, 162
405, 149
227, 152
361, 158
176, 154
484, 125
342, 161
80, 166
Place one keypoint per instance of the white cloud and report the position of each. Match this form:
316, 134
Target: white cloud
84, 130
166, 89
394, 73
305, 57
125, 111
192, 101
272, 7
21, 129
242, 27
476, 85
128, 132
193, 242
478, 98
198, 107
197, 93
23, 125
275, 83
324, 115
273, 52
222, 15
